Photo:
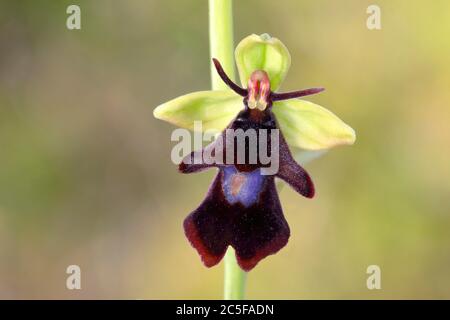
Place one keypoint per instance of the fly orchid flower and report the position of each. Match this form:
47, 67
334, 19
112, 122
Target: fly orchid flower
242, 208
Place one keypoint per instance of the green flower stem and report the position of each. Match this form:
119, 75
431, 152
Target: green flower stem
222, 47
234, 278
221, 42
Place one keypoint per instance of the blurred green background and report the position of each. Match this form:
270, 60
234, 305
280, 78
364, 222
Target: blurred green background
85, 170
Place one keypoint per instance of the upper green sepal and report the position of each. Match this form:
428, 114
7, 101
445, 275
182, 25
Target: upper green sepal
215, 109
262, 53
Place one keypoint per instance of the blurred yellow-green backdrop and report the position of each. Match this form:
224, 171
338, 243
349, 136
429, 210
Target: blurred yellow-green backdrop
85, 170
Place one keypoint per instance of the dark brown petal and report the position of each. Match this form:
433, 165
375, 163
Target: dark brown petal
291, 172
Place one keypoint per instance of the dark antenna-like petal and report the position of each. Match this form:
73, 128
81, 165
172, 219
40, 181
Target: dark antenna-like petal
233, 86
295, 94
